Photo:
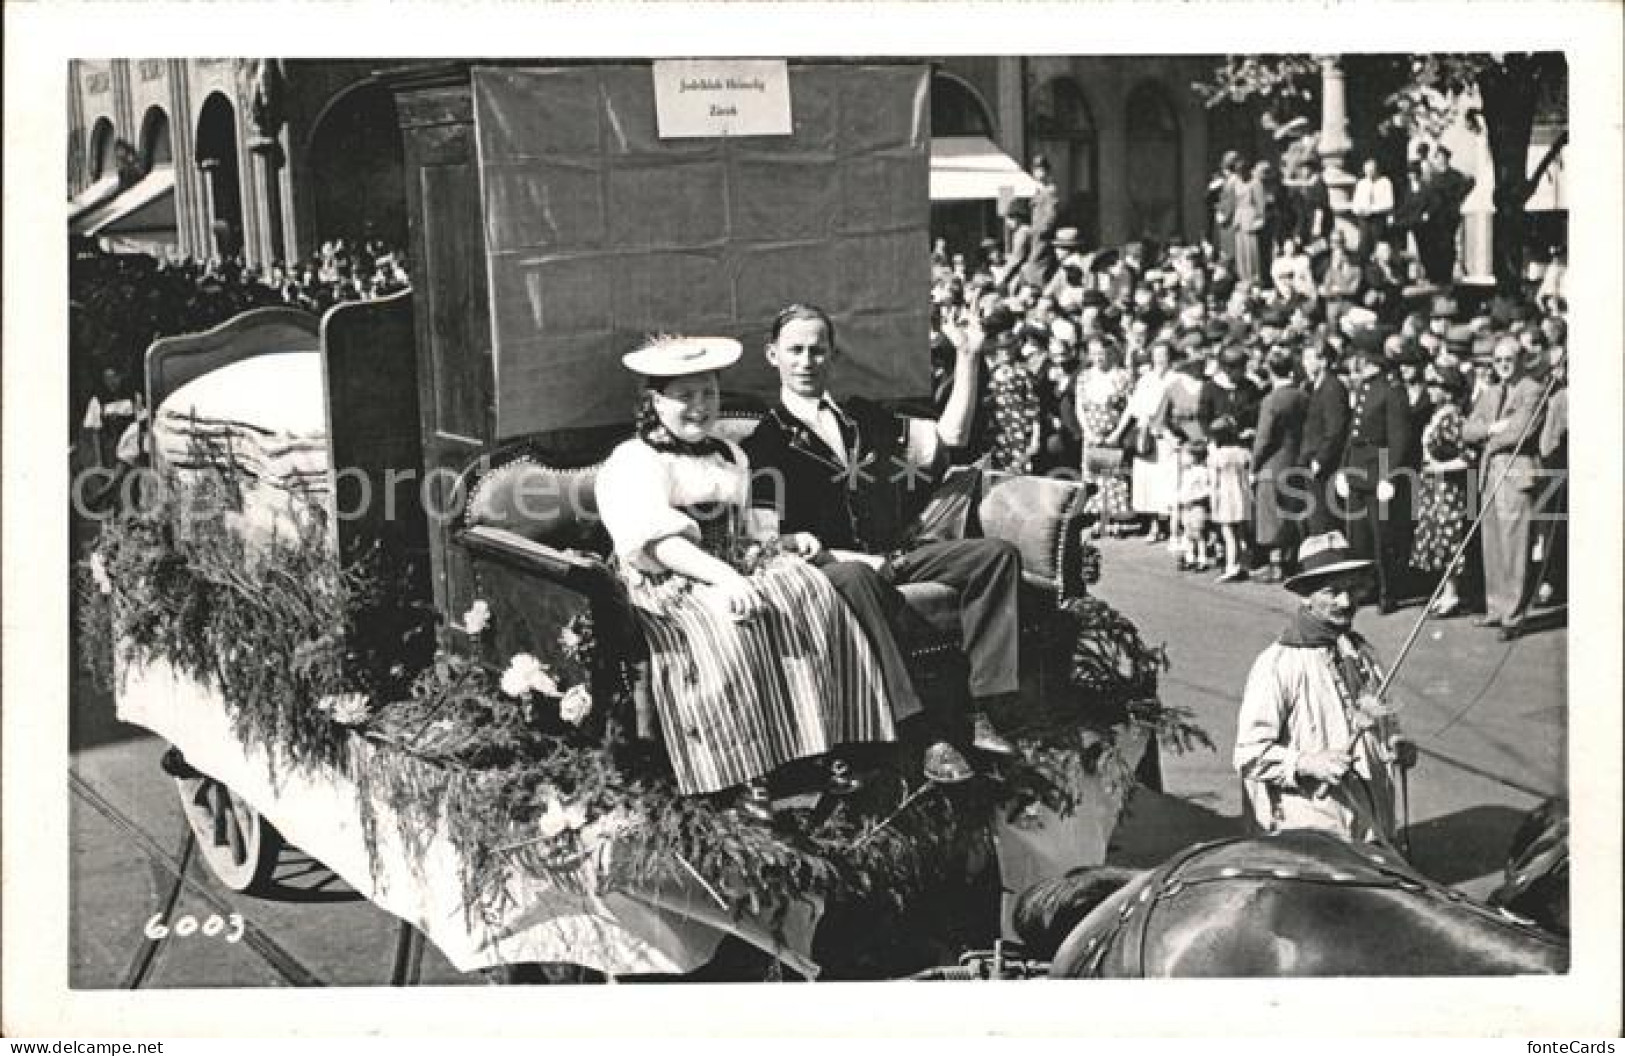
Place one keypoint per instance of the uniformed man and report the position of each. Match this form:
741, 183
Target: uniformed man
1374, 460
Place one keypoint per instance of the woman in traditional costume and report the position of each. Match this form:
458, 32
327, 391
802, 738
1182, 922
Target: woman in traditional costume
754, 659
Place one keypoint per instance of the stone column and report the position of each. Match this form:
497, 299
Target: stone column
1335, 144
1011, 108
208, 169
269, 152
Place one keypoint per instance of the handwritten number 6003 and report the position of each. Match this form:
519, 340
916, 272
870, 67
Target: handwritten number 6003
186, 925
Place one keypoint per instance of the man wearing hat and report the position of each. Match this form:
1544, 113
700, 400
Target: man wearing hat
831, 469
1316, 747
1068, 247
1377, 452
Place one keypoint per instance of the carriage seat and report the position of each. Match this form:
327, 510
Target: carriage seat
527, 508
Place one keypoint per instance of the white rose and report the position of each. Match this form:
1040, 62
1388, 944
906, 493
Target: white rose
347, 709
477, 618
558, 818
526, 674
98, 572
576, 705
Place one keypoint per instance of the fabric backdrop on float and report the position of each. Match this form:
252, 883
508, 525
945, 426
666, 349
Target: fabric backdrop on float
599, 233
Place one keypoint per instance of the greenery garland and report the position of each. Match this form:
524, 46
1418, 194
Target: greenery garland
512, 764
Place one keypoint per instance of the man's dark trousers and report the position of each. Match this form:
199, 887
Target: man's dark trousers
986, 573
1371, 527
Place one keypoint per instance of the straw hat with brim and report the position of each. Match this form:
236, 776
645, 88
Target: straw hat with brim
676, 357
1322, 557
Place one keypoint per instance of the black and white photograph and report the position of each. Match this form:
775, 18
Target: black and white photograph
982, 511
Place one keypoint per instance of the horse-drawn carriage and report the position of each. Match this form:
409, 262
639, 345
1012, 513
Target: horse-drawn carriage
392, 637
395, 642
269, 408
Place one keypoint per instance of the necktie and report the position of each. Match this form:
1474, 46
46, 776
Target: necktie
829, 429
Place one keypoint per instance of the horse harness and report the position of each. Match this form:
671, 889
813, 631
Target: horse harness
1379, 869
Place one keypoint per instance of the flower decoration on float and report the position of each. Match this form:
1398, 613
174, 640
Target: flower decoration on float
98, 572
346, 709
526, 675
557, 818
1371, 709
477, 618
576, 705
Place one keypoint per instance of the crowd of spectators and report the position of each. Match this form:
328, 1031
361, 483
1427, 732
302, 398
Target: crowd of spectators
122, 302
1228, 398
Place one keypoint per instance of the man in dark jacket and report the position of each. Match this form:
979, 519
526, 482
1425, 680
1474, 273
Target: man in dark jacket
1377, 452
832, 469
1446, 189
1325, 429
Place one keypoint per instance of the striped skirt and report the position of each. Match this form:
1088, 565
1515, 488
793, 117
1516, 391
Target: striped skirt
737, 700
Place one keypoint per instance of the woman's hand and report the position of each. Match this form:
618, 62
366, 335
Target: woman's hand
736, 598
804, 545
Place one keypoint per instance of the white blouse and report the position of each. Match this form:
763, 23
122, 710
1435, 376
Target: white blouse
641, 493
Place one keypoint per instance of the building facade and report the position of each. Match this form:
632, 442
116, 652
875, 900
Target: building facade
262, 158
1129, 143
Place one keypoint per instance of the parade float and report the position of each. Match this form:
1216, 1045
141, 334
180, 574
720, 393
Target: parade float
364, 593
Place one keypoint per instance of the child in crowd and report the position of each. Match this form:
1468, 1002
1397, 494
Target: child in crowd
1231, 496
1195, 497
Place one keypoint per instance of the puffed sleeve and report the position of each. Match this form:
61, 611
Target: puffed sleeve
634, 500
1262, 752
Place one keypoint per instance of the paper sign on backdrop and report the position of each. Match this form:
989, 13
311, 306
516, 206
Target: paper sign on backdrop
722, 97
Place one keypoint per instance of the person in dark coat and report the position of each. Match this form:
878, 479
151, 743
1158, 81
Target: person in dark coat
1325, 429
1446, 189
832, 469
1377, 451
1230, 397
1277, 506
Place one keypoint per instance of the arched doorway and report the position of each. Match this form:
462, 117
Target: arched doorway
1153, 161
103, 147
1063, 131
156, 150
217, 157
958, 109
357, 165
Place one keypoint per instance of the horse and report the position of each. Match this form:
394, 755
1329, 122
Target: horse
1537, 869
1294, 903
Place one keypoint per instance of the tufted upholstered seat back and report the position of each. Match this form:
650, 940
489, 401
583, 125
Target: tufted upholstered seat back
526, 493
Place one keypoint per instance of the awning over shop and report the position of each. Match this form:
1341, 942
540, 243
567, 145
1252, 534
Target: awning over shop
973, 168
92, 198
146, 208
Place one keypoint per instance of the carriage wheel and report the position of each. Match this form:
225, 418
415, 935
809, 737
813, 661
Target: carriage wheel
240, 847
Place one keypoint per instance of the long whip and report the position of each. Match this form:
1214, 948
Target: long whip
1467, 537
1450, 569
